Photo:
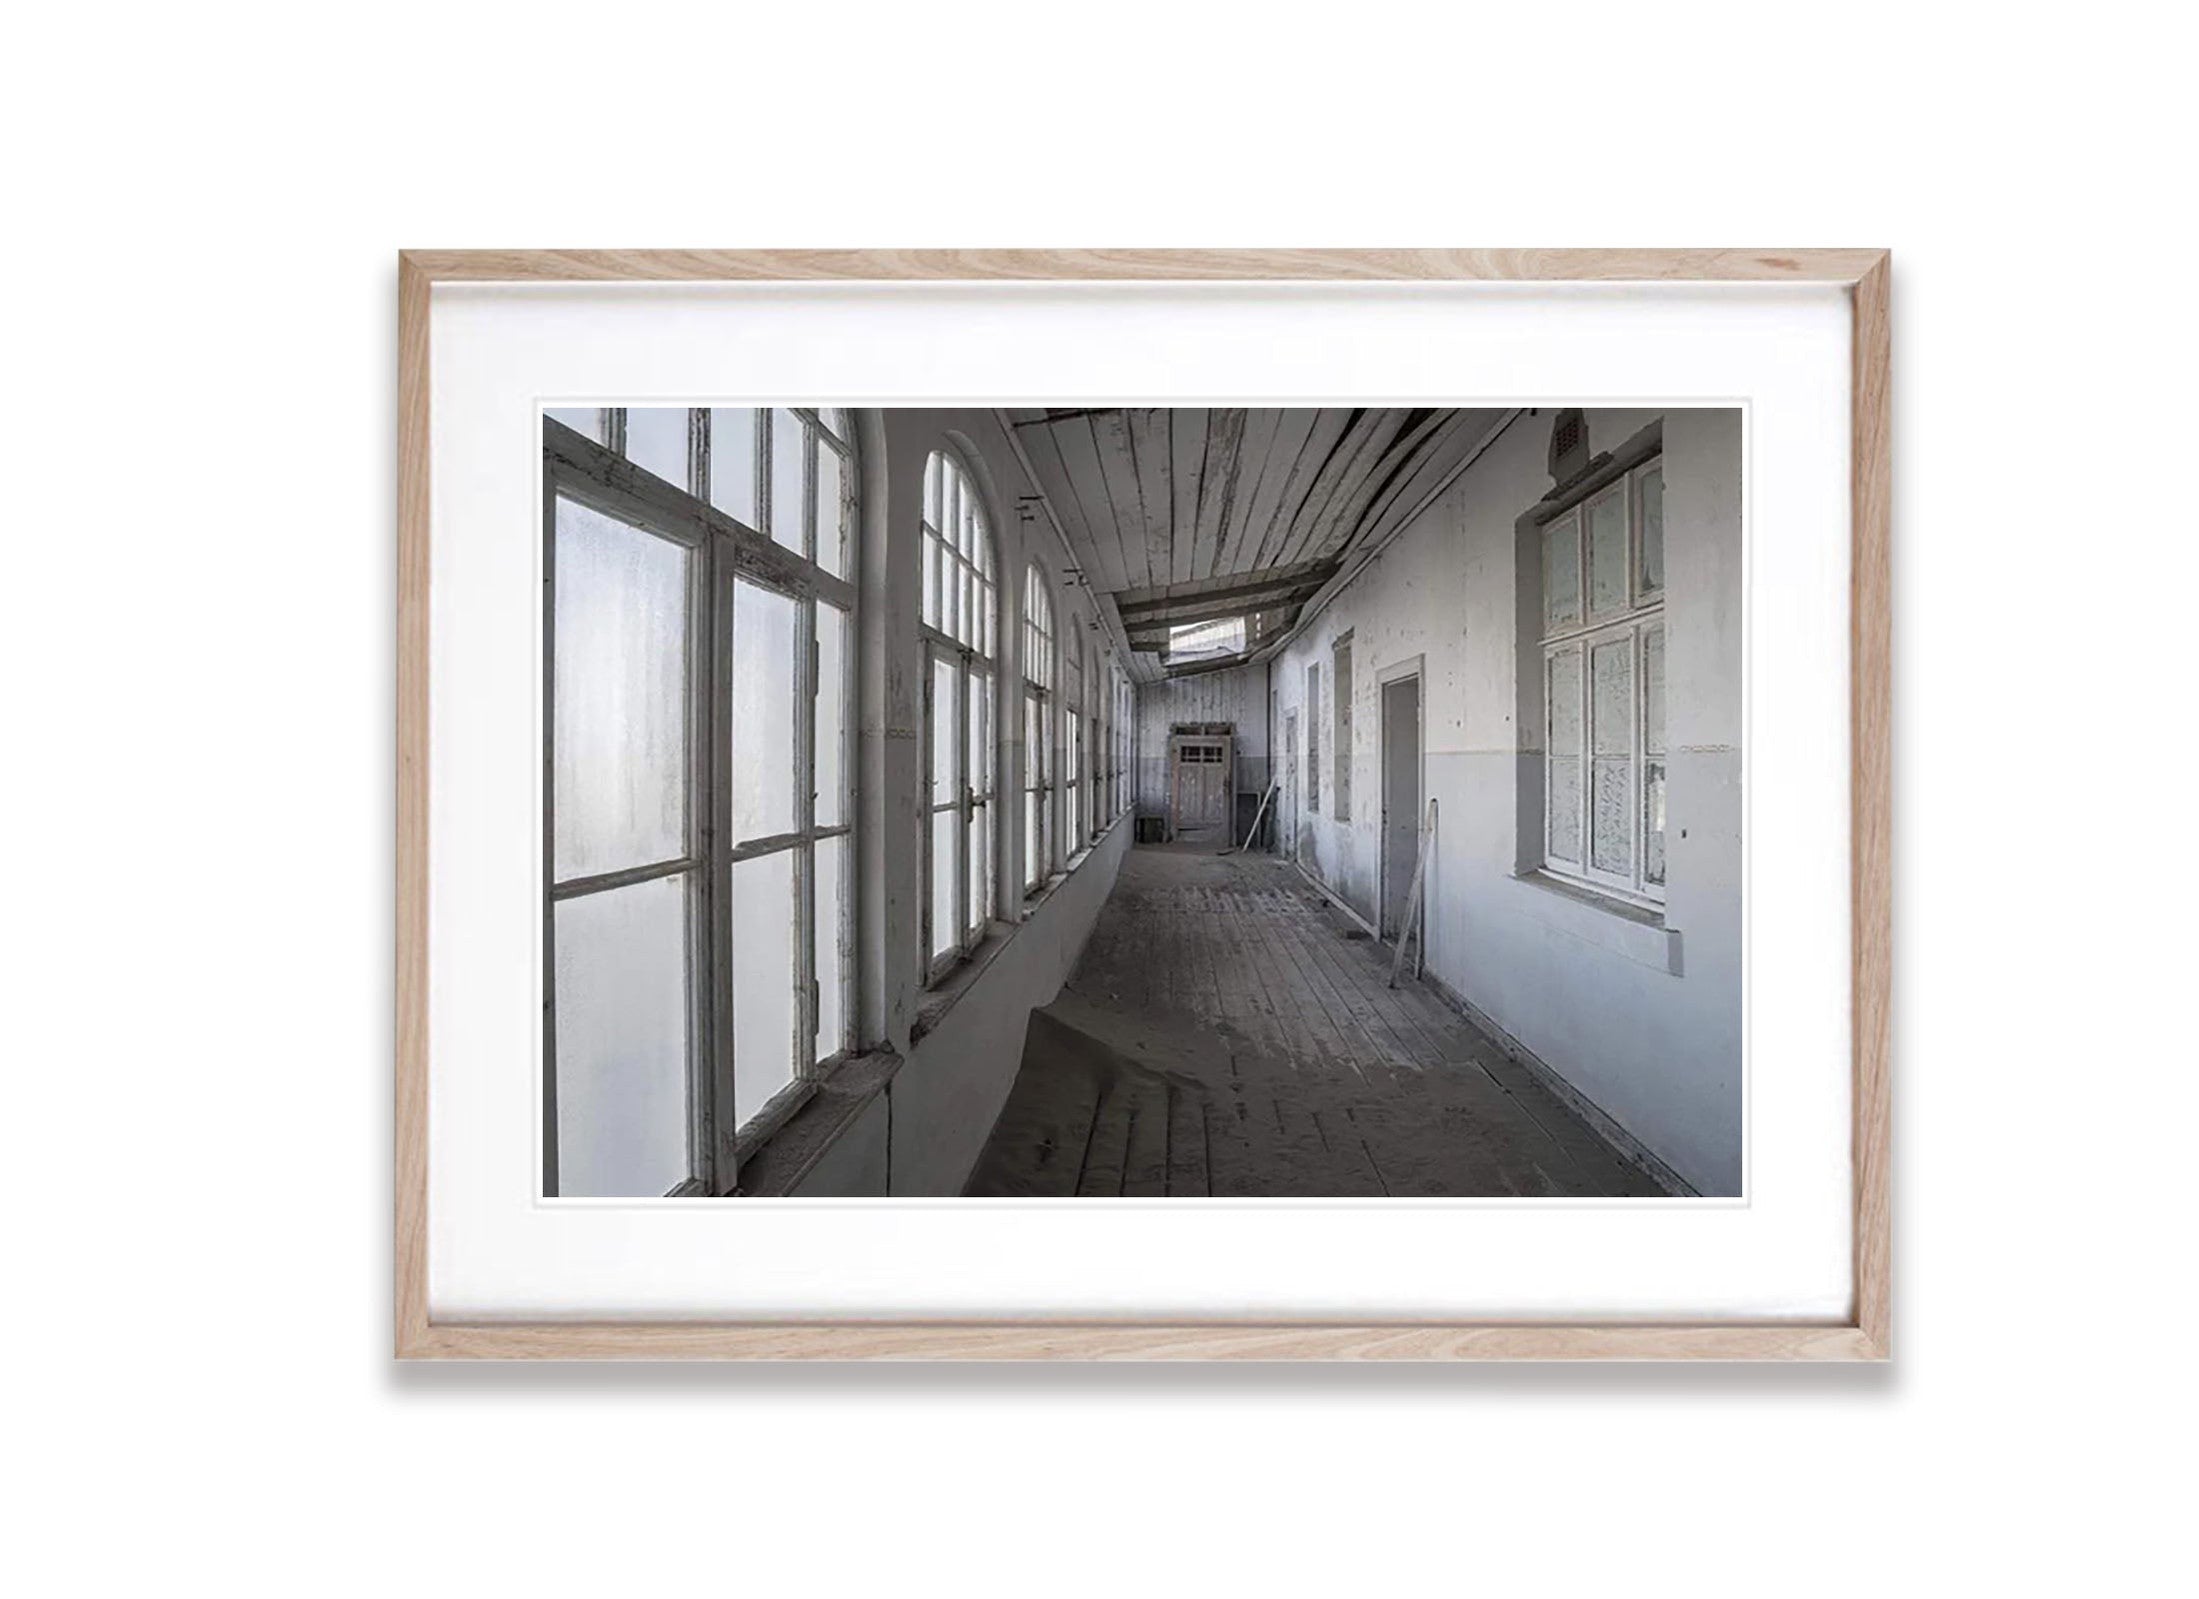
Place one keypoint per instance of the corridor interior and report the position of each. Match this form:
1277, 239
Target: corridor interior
1026, 802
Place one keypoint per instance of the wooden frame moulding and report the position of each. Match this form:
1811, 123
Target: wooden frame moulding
1863, 1334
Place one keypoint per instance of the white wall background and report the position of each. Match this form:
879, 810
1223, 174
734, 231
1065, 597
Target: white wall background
197, 654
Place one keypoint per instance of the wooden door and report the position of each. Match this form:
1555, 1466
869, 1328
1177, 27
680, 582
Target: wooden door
1200, 789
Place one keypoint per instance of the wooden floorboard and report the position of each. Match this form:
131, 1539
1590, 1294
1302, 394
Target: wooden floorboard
1228, 1032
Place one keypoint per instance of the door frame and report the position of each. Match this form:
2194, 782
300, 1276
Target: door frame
1413, 667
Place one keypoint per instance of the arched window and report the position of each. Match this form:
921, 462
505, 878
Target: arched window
1038, 762
960, 625
700, 801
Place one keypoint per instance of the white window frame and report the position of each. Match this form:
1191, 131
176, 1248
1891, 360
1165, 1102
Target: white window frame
1640, 615
959, 619
590, 469
1038, 763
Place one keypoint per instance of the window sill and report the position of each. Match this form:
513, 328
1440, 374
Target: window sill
786, 1155
1636, 932
956, 981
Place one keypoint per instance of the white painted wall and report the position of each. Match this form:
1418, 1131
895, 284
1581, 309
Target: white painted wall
1581, 987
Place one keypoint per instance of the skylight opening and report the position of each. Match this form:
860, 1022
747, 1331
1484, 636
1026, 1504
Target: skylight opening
1203, 641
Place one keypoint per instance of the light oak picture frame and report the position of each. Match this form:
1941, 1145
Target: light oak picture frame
1863, 1335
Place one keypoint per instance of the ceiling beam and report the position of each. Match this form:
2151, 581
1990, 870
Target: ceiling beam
1257, 589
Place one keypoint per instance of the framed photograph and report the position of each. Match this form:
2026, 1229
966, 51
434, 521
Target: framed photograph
1143, 804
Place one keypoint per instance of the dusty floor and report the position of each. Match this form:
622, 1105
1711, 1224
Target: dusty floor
1229, 1033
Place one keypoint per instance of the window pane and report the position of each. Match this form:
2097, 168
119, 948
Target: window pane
932, 470
980, 764
1653, 690
1612, 669
946, 722
1613, 838
946, 869
762, 892
981, 866
763, 712
831, 875
1563, 685
656, 441
585, 420
1073, 830
831, 518
1561, 573
832, 688
1607, 554
1651, 486
733, 463
622, 1023
619, 687
1565, 808
931, 580
1033, 838
1653, 821
786, 479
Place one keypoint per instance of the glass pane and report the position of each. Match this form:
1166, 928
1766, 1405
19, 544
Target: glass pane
656, 441
622, 1015
764, 677
1564, 689
1613, 837
989, 613
1612, 668
832, 688
832, 1025
1565, 808
946, 869
980, 766
946, 722
981, 866
1607, 554
585, 420
619, 691
1653, 821
762, 892
1033, 839
1651, 487
931, 580
832, 552
1653, 690
786, 479
1561, 573
931, 490
733, 462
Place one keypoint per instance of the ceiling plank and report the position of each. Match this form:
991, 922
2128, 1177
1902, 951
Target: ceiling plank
1225, 430
1149, 448
1285, 438
1238, 532
1043, 447
1346, 469
1079, 448
1187, 454
1111, 440
1344, 523
1320, 441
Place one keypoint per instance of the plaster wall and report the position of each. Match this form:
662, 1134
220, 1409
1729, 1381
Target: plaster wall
1643, 1019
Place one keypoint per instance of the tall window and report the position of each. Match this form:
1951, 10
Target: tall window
1038, 763
1072, 741
1603, 652
700, 805
1340, 695
960, 625
1313, 738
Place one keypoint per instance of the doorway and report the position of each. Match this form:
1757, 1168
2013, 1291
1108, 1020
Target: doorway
1401, 799
1199, 787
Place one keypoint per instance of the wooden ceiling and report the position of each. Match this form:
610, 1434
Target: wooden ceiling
1183, 514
